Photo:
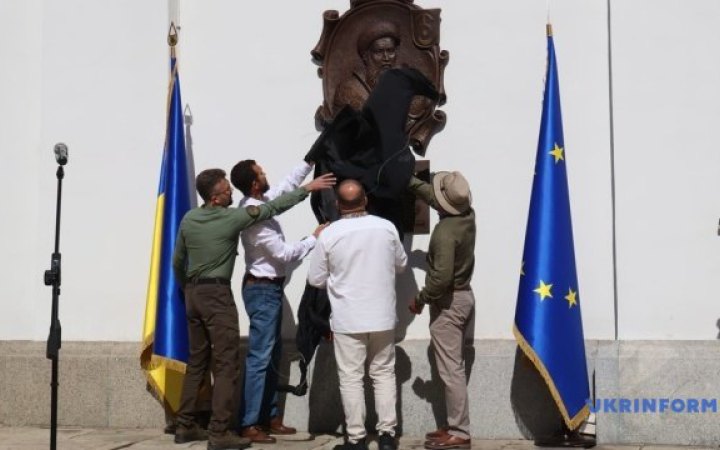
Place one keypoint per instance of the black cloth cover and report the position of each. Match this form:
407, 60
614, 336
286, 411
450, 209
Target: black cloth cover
313, 324
370, 146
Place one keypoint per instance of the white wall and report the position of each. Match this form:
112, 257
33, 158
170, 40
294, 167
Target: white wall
667, 105
94, 74
91, 74
20, 128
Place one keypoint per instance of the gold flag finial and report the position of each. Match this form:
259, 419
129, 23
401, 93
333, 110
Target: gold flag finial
172, 35
549, 29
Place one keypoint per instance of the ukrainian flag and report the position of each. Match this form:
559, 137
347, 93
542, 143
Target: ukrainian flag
548, 325
165, 334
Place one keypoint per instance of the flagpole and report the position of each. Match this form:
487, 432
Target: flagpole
611, 105
548, 14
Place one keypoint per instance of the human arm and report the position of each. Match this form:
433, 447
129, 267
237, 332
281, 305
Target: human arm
295, 251
245, 217
280, 250
400, 255
318, 270
290, 182
423, 190
441, 268
179, 259
252, 214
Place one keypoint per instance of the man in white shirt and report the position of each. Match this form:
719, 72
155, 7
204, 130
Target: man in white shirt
356, 259
267, 256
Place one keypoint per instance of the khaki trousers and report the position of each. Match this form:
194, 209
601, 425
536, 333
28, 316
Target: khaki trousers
351, 352
448, 320
214, 336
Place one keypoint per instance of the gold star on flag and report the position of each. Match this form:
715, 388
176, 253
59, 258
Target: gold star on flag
557, 152
571, 298
543, 290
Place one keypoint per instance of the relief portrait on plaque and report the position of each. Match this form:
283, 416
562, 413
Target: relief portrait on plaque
355, 48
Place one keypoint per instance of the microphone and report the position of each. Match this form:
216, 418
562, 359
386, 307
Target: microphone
61, 153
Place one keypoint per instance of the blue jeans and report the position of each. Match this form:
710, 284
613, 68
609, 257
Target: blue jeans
263, 304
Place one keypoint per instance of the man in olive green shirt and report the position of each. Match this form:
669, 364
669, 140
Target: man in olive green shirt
203, 262
450, 259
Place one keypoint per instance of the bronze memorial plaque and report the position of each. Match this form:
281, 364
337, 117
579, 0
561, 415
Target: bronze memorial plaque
373, 35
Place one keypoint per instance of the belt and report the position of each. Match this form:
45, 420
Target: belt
214, 280
252, 279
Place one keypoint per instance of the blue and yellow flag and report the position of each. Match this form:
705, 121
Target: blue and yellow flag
548, 325
165, 334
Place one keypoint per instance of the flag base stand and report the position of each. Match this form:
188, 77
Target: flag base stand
567, 439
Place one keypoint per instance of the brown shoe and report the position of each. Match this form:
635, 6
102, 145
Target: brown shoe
277, 427
449, 442
227, 441
255, 434
440, 433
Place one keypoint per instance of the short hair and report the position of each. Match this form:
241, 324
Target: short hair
354, 202
243, 175
207, 180
376, 31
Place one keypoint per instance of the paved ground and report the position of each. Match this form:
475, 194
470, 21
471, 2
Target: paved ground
15, 438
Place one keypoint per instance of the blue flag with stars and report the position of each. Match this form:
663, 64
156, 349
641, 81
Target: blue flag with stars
548, 325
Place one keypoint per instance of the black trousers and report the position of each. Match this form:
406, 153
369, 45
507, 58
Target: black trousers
214, 335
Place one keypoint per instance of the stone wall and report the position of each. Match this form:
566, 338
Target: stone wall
101, 385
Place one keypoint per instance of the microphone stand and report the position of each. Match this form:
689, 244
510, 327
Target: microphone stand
52, 278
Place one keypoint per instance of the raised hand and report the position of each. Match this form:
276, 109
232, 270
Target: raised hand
322, 182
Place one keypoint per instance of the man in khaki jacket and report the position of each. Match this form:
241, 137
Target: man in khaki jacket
450, 259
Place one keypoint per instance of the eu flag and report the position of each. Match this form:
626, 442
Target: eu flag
165, 336
548, 325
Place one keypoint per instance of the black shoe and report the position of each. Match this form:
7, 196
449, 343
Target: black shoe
360, 445
189, 434
387, 442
